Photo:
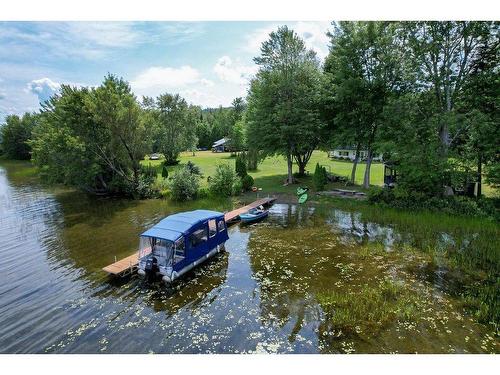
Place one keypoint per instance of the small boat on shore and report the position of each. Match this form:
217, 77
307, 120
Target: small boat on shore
253, 215
180, 242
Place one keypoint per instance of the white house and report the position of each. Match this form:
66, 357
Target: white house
220, 145
349, 153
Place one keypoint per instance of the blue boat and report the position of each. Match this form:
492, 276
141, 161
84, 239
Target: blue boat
180, 242
253, 215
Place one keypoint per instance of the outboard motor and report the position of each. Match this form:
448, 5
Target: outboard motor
151, 268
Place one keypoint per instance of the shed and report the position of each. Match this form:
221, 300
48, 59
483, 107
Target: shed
221, 145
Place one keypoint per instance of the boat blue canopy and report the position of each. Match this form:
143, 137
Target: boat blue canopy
176, 225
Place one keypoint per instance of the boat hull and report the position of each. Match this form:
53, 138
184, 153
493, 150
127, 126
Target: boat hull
174, 275
249, 218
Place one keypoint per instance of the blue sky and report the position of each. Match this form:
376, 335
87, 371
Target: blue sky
208, 63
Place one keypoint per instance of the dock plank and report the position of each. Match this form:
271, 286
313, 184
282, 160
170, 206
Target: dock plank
129, 263
232, 215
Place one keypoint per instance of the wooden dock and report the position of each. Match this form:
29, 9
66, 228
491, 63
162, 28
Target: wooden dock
124, 266
128, 265
233, 216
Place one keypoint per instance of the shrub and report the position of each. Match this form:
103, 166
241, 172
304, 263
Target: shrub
193, 168
240, 165
413, 200
171, 162
161, 186
164, 170
247, 182
184, 185
221, 183
237, 187
145, 184
203, 192
145, 188
320, 178
380, 195
149, 171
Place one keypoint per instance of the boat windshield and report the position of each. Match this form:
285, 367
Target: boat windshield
162, 249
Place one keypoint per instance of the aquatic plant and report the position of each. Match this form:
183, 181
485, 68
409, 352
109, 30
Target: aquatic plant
468, 245
368, 309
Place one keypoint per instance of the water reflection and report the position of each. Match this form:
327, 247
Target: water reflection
188, 292
259, 296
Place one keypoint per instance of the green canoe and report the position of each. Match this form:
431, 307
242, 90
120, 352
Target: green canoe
302, 190
303, 198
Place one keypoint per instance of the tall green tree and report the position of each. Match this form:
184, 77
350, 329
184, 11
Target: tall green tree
408, 140
236, 132
442, 57
362, 73
15, 134
283, 103
175, 124
204, 134
238, 108
237, 136
190, 135
60, 148
94, 139
117, 119
478, 103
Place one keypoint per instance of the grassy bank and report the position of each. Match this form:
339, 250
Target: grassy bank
271, 173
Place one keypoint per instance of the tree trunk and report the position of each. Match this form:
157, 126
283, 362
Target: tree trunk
479, 173
355, 164
366, 180
302, 160
252, 156
444, 137
302, 169
289, 166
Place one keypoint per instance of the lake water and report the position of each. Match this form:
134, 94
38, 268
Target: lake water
261, 295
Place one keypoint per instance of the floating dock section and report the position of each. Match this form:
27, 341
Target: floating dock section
128, 265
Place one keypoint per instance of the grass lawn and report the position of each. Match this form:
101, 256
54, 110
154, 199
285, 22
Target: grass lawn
271, 172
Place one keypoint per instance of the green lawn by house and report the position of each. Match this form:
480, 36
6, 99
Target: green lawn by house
271, 172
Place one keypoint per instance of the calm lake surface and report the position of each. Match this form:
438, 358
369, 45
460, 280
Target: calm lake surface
259, 296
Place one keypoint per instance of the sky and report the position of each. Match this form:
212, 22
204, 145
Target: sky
208, 63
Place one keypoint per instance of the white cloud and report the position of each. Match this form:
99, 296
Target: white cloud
233, 72
107, 34
186, 81
313, 34
43, 88
158, 79
220, 95
206, 82
90, 40
16, 102
206, 98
